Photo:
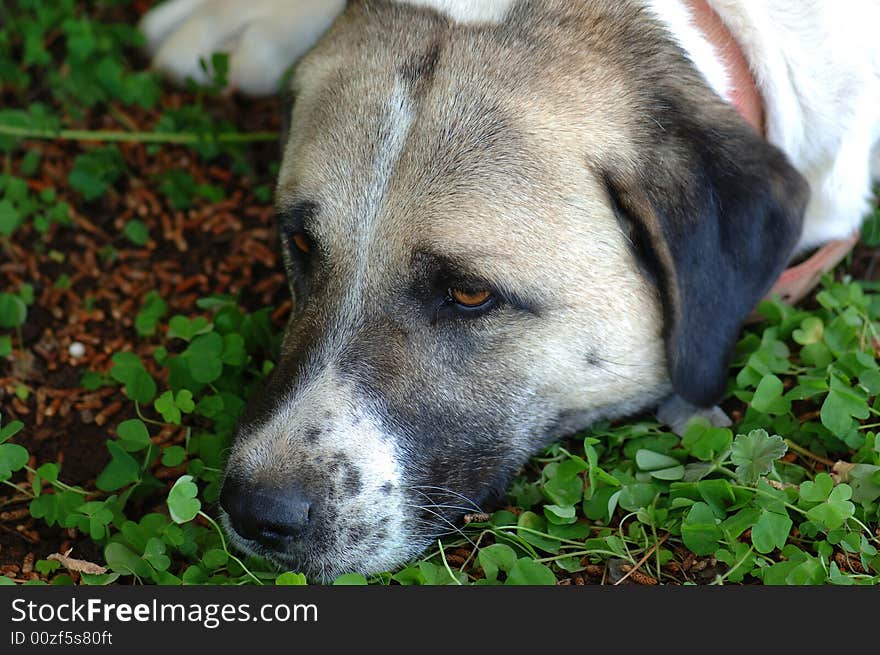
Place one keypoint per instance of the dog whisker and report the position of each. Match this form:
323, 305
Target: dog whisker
440, 516
456, 494
466, 510
436, 505
436, 529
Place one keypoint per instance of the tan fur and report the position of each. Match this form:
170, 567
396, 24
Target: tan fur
570, 158
533, 206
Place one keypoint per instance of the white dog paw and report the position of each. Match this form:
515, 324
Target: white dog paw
263, 38
675, 413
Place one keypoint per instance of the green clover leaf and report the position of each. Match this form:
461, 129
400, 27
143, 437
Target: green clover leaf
529, 572
122, 560
771, 531
834, 512
187, 329
203, 357
755, 453
768, 397
152, 311
842, 404
495, 558
700, 530
705, 441
811, 331
662, 467
173, 456
560, 515
183, 504
123, 469
12, 458
129, 370
133, 435
154, 553
95, 171
172, 406
350, 580
10, 430
291, 579
13, 311
167, 408
818, 490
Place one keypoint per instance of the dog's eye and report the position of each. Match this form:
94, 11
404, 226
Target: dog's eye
302, 242
470, 299
465, 303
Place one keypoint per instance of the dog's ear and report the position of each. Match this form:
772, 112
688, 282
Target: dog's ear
714, 214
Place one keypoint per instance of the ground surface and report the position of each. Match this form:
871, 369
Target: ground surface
121, 247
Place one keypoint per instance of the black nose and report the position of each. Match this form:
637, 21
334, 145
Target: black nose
272, 516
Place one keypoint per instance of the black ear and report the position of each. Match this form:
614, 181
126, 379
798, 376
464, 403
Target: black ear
714, 213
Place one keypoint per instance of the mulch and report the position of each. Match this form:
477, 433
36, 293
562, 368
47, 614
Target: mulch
228, 247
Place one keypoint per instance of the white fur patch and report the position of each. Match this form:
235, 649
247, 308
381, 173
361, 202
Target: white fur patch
262, 37
349, 427
817, 65
352, 430
396, 125
679, 21
158, 23
467, 11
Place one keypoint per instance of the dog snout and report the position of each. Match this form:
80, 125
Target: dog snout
272, 516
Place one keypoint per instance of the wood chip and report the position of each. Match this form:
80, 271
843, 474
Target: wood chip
77, 565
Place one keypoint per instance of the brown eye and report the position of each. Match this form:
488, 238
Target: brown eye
470, 299
301, 241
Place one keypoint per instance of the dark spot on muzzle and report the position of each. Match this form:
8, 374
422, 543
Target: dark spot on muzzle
311, 435
346, 473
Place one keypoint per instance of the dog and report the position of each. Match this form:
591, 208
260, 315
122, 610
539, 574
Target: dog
504, 220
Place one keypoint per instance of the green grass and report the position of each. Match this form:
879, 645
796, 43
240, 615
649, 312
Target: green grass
790, 495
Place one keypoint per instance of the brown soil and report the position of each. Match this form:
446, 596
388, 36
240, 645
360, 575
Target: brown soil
225, 247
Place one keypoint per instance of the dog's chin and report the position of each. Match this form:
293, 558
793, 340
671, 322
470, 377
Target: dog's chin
325, 567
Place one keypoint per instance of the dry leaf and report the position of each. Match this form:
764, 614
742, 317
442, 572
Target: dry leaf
840, 471
77, 565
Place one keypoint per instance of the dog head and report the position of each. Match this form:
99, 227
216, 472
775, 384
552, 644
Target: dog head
495, 234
